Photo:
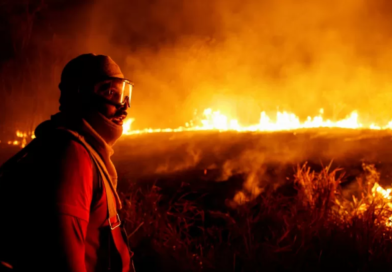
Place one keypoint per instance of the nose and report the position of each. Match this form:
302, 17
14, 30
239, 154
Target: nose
127, 102
123, 106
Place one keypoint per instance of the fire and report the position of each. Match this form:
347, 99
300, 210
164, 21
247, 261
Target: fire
23, 138
377, 190
215, 120
384, 195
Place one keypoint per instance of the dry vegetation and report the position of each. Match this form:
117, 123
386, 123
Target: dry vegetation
179, 190
307, 224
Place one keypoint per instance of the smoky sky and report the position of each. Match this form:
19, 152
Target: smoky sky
241, 57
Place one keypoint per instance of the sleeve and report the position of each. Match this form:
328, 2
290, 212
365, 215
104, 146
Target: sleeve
72, 231
74, 184
73, 191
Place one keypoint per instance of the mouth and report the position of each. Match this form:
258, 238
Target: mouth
119, 120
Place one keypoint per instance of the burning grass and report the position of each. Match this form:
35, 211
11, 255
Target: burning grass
309, 223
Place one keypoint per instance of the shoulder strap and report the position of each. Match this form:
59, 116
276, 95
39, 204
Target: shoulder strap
97, 182
111, 198
114, 223
113, 218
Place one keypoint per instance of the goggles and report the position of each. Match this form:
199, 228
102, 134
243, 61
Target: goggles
116, 91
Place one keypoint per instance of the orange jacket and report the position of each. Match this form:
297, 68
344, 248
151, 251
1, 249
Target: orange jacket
57, 211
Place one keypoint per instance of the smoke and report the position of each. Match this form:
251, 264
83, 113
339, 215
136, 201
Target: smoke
241, 57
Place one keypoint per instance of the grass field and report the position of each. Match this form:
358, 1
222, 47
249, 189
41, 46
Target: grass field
303, 201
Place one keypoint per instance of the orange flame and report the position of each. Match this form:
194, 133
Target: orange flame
23, 136
215, 120
385, 196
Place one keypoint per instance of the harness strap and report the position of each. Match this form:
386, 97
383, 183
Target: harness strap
114, 221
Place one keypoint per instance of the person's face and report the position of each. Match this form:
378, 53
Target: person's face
110, 96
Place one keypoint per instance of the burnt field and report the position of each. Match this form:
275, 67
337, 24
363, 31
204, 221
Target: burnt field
282, 201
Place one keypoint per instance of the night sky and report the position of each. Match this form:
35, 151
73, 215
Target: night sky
241, 57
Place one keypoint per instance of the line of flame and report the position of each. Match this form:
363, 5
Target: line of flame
215, 120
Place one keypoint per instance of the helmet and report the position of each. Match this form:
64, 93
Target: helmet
98, 71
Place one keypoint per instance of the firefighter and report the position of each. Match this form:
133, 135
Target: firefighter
58, 195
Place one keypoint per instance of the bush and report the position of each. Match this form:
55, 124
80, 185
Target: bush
316, 228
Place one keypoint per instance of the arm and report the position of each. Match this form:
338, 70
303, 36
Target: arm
72, 231
73, 195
